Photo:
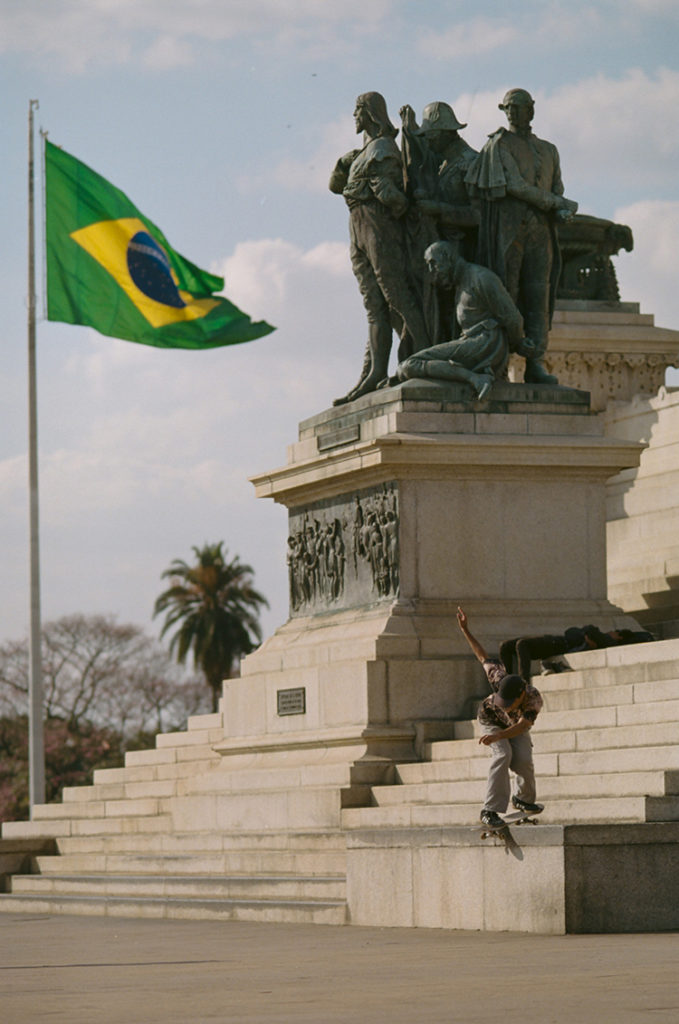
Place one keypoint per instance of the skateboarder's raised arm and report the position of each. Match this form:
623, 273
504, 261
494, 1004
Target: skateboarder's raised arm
471, 640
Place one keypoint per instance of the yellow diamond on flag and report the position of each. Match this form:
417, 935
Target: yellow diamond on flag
141, 267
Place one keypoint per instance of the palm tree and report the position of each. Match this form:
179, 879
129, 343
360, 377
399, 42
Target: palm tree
216, 609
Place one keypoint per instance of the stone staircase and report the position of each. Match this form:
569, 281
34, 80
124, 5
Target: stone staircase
176, 833
605, 854
203, 881
274, 834
606, 749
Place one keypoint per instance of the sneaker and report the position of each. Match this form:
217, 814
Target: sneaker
492, 819
524, 805
549, 667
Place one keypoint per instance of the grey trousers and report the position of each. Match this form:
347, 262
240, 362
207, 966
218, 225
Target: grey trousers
515, 754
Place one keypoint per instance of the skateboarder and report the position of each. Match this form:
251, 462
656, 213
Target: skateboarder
506, 717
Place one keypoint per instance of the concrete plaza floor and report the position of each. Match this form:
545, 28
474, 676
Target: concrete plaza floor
83, 970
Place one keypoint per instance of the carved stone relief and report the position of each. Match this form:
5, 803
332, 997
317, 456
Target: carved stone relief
344, 551
611, 375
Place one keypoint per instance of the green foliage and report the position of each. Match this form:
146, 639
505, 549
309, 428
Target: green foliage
215, 609
99, 672
108, 688
71, 755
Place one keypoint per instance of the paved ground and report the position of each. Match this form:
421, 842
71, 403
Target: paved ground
85, 970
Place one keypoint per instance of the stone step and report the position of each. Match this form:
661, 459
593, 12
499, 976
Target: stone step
632, 759
606, 675
609, 737
282, 911
107, 791
98, 809
591, 697
606, 697
232, 862
200, 843
555, 879
170, 755
633, 692
299, 809
201, 887
189, 738
264, 780
550, 788
211, 720
214, 780
627, 736
58, 827
151, 772
475, 766
299, 806
587, 718
582, 718
472, 765
611, 748
597, 809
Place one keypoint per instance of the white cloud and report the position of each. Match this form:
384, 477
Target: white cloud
313, 299
654, 6
166, 34
260, 275
311, 172
649, 274
620, 128
330, 257
13, 480
167, 53
480, 35
529, 27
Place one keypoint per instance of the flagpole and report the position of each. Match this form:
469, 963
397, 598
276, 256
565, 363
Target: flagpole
36, 744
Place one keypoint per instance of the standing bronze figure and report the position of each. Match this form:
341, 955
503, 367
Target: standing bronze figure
371, 181
517, 177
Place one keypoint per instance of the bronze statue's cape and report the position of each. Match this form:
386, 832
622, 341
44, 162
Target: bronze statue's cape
502, 213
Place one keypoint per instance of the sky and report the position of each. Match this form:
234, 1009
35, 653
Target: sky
221, 120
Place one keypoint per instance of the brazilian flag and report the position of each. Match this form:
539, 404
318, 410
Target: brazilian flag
109, 267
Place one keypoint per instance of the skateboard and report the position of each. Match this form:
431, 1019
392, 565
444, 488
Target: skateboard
514, 818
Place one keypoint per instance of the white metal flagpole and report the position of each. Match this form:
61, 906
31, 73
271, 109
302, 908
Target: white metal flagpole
36, 744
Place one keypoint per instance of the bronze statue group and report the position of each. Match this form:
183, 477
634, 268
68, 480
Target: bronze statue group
455, 251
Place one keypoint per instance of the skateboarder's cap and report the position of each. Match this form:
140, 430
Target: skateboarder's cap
509, 689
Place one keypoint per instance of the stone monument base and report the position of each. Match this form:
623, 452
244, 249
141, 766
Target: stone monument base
403, 505
342, 775
643, 513
260, 834
550, 879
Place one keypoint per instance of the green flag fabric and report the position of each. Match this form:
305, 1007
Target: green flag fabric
111, 268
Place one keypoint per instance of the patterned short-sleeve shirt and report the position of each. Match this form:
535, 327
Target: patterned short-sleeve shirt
496, 717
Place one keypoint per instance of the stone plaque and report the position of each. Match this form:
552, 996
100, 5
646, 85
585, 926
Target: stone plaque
337, 438
291, 702
343, 551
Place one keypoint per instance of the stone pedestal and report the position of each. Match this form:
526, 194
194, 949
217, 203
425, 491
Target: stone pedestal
403, 505
609, 349
620, 357
643, 513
